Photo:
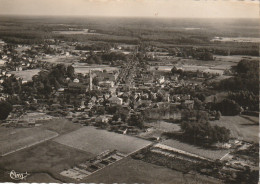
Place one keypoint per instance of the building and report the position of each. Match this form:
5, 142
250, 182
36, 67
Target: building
77, 87
90, 80
115, 100
161, 80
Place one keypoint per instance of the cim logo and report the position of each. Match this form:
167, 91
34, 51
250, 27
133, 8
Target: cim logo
18, 176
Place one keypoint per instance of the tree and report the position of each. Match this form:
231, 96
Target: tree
174, 70
218, 115
204, 133
228, 107
70, 71
136, 120
5, 109
202, 116
95, 81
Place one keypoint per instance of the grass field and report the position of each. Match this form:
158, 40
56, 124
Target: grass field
61, 126
61, 59
97, 141
85, 68
240, 127
164, 126
48, 157
15, 139
206, 153
129, 170
26, 74
41, 178
158, 128
217, 66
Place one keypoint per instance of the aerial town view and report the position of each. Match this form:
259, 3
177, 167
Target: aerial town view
105, 98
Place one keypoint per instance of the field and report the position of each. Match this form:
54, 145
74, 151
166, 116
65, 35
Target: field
15, 139
164, 126
207, 153
84, 68
96, 141
157, 128
240, 127
75, 32
61, 126
41, 178
26, 74
129, 170
217, 66
237, 39
61, 59
45, 158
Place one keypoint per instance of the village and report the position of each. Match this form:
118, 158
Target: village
124, 91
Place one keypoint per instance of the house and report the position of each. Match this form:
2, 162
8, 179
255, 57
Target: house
107, 84
188, 104
175, 77
106, 76
115, 100
76, 80
101, 119
161, 80
77, 87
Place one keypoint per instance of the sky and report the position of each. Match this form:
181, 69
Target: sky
134, 8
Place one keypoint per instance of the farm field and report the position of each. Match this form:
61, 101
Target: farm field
236, 39
96, 141
84, 68
207, 153
61, 126
26, 74
45, 158
130, 170
41, 178
157, 128
61, 59
75, 32
164, 126
220, 64
15, 139
240, 127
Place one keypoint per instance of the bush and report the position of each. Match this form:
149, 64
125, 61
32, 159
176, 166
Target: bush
228, 107
5, 109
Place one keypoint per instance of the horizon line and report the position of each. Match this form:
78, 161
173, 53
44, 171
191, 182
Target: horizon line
115, 16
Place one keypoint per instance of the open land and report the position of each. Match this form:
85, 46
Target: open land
12, 140
137, 171
206, 153
84, 68
48, 157
240, 127
97, 141
26, 74
149, 45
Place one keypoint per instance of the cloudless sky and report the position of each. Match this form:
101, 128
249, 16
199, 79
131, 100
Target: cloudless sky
134, 8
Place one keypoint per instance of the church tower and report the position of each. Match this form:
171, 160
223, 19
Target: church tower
90, 80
